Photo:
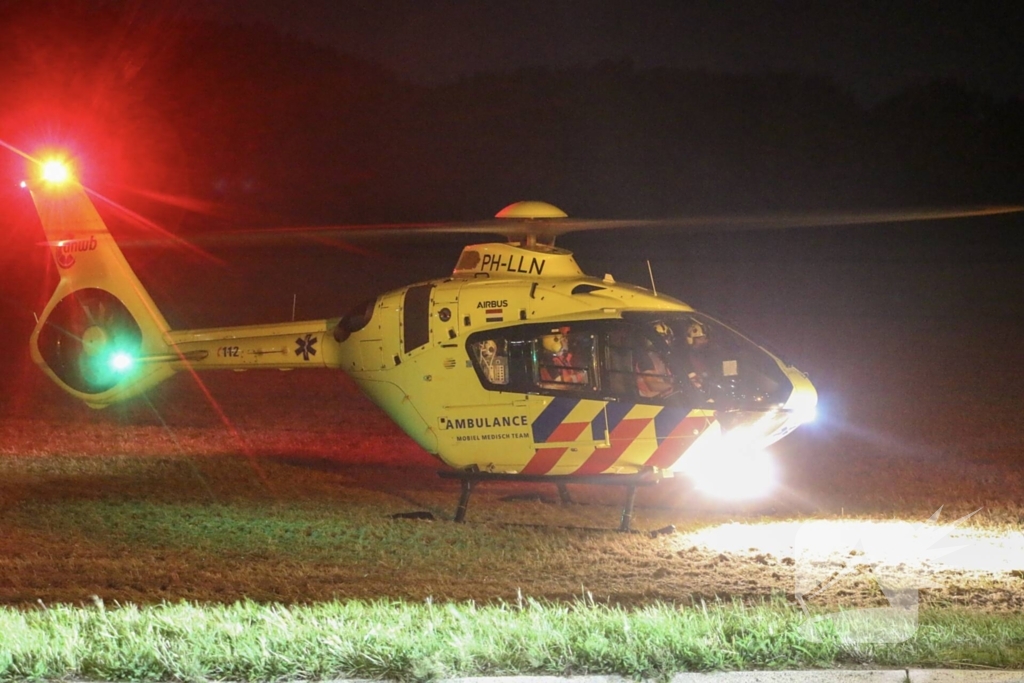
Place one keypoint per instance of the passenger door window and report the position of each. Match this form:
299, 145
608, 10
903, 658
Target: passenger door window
537, 359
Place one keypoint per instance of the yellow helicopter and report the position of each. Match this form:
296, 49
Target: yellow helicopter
517, 366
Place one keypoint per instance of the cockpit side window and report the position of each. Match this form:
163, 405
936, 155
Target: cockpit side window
714, 363
619, 361
638, 365
606, 359
679, 359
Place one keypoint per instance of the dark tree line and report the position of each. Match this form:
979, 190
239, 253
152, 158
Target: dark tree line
242, 123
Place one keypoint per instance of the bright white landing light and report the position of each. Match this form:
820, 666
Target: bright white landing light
733, 473
807, 414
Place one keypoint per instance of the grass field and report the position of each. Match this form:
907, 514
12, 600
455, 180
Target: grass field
401, 640
223, 538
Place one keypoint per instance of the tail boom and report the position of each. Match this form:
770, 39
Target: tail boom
282, 346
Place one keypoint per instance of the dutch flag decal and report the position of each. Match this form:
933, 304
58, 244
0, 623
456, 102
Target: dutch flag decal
494, 315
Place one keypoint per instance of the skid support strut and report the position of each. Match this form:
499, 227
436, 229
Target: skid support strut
627, 512
467, 488
469, 478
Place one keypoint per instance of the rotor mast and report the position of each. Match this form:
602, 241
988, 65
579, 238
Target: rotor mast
531, 228
533, 219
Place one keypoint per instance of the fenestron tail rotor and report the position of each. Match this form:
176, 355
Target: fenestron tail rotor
90, 340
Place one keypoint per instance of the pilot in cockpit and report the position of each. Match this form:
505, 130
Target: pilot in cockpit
697, 343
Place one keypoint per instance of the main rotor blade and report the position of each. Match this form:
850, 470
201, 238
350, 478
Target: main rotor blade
547, 229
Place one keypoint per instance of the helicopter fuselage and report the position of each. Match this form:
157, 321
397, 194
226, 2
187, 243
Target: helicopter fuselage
518, 363
466, 366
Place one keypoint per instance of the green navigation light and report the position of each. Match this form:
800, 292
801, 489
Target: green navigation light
121, 362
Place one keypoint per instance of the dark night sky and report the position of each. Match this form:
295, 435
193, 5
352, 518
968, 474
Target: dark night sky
872, 48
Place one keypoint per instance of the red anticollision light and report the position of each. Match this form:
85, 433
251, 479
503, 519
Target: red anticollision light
56, 172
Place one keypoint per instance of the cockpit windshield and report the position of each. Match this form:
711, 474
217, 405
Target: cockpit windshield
696, 354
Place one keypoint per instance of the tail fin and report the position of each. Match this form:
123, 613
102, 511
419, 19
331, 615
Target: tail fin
100, 326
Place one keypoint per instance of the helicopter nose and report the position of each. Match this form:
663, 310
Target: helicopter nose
803, 401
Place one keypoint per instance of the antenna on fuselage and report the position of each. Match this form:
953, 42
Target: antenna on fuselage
651, 273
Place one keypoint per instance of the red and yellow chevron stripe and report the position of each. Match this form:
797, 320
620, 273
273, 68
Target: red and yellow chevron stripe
580, 436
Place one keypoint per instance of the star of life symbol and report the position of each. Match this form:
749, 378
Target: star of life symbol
305, 346
883, 552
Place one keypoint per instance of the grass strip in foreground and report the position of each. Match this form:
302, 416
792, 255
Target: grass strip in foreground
248, 641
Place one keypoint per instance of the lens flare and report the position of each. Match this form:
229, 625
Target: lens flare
730, 465
56, 172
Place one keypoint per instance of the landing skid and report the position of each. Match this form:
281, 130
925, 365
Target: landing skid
469, 478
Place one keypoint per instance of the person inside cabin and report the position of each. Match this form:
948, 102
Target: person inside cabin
653, 376
697, 344
556, 366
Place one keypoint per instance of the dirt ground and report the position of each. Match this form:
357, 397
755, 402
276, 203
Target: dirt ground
282, 486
